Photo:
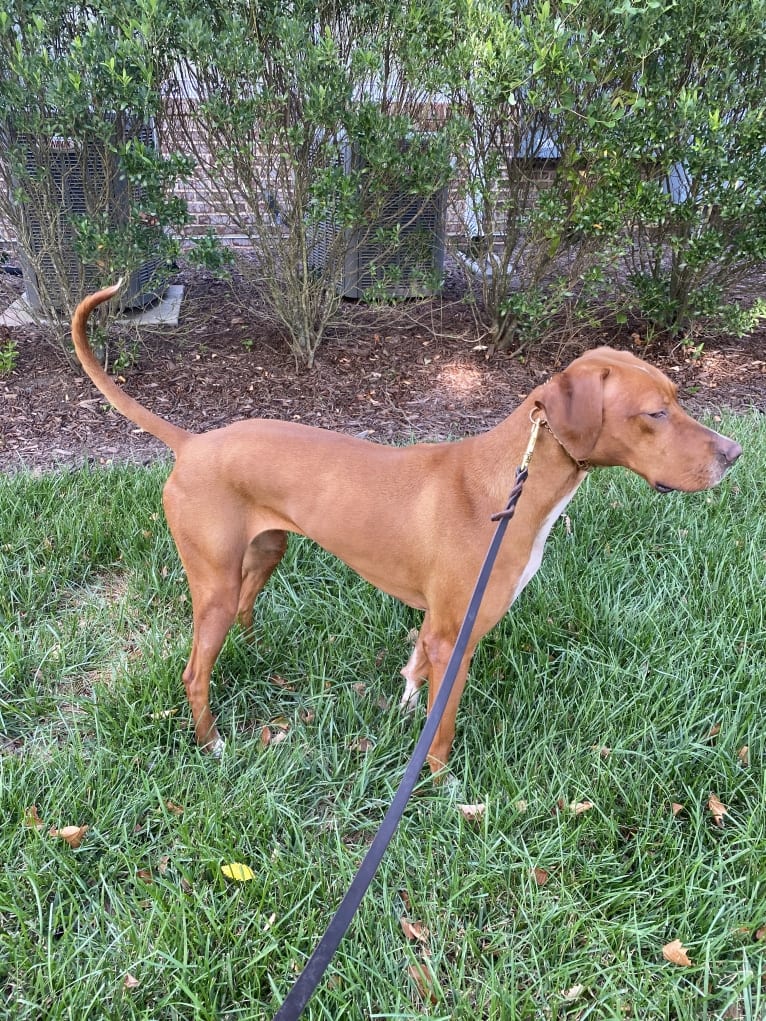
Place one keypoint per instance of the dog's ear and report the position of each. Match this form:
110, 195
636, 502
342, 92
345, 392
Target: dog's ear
573, 402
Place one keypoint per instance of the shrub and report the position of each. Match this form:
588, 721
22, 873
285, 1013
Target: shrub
75, 84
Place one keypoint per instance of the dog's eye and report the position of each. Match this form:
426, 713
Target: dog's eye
658, 414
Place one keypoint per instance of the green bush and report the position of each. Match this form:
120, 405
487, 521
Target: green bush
75, 85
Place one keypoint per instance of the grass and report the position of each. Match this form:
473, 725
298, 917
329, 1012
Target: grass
643, 633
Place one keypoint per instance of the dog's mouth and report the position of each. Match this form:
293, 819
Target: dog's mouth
662, 488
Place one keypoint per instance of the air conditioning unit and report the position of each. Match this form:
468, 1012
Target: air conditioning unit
400, 253
80, 176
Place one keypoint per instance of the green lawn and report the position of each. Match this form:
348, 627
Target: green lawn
642, 634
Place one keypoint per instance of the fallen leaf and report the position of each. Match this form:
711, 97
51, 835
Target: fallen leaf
145, 875
131, 982
237, 871
603, 751
414, 930
72, 834
578, 807
360, 688
540, 876
424, 980
162, 714
676, 808
743, 755
675, 952
270, 921
570, 995
32, 819
163, 865
472, 813
307, 715
362, 744
717, 809
265, 737
521, 806
174, 808
714, 731
281, 682
760, 934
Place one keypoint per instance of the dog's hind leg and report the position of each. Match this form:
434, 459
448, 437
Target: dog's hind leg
260, 559
415, 673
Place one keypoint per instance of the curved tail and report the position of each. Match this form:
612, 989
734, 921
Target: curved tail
171, 435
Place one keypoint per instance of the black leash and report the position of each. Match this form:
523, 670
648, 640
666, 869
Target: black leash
310, 977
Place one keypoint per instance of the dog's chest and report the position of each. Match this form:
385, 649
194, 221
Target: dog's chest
538, 544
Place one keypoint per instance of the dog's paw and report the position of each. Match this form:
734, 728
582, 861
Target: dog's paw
216, 748
409, 699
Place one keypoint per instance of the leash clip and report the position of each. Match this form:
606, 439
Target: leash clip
536, 418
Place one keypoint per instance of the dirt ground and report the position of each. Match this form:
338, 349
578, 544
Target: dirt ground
419, 370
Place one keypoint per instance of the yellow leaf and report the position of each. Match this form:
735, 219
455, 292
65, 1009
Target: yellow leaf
675, 952
237, 871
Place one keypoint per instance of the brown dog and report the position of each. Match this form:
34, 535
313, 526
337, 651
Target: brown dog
414, 521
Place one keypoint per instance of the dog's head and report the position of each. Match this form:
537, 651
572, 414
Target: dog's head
610, 408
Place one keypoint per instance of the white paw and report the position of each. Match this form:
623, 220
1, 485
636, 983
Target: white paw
216, 748
409, 698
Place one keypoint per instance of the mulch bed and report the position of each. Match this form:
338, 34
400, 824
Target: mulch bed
419, 370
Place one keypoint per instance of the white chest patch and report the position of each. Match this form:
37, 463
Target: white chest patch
536, 553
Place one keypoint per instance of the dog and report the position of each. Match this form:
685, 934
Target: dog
413, 521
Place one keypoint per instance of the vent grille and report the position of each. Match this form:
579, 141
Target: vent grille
400, 254
75, 179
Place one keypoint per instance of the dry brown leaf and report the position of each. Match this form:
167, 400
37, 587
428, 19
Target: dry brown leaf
163, 864
540, 876
72, 834
714, 731
743, 755
760, 934
603, 751
360, 688
414, 930
265, 737
472, 813
174, 808
32, 819
281, 682
717, 809
145, 875
578, 807
362, 744
307, 715
424, 980
131, 982
676, 808
675, 952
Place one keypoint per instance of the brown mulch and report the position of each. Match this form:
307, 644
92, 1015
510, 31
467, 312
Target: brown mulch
418, 370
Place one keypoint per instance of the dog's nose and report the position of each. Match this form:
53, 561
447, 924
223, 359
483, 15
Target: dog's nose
731, 451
